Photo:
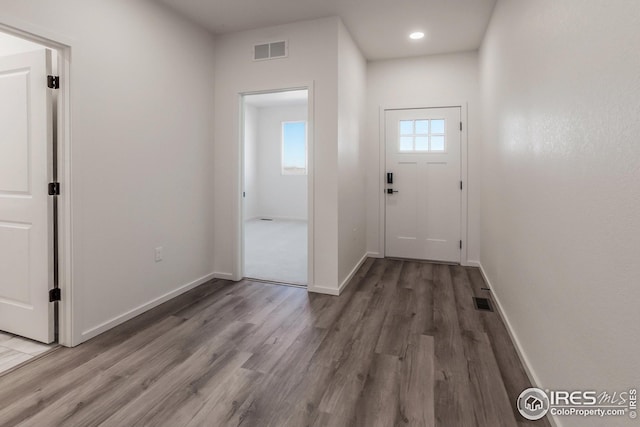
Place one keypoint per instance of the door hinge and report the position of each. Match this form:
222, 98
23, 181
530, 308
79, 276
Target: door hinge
54, 188
460, 244
55, 295
460, 126
53, 82
461, 185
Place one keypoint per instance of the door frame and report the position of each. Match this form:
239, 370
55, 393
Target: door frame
62, 46
464, 175
238, 266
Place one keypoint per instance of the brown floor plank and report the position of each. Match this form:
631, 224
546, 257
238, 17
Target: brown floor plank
489, 398
378, 405
223, 402
422, 302
469, 318
397, 323
417, 384
452, 388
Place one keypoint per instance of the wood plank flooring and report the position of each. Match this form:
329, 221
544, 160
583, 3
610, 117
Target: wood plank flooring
403, 346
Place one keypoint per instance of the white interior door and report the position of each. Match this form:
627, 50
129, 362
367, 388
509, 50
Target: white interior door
423, 209
26, 237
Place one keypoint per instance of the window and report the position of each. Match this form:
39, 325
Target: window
422, 135
294, 148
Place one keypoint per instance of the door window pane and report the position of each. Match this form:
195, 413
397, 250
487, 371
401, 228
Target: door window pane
437, 126
406, 127
406, 143
422, 127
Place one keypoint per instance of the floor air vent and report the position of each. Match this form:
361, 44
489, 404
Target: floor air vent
482, 304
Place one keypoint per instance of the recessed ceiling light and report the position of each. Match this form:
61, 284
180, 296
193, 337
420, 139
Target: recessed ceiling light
417, 35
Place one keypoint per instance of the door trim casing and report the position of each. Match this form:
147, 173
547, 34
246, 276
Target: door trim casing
62, 46
464, 142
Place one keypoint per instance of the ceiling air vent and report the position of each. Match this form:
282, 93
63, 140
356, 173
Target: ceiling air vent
273, 50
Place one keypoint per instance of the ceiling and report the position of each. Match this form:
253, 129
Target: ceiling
277, 99
379, 27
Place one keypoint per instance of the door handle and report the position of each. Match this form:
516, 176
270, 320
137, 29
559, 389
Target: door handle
391, 191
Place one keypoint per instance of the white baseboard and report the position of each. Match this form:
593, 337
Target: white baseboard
471, 263
103, 327
323, 290
343, 285
223, 276
374, 255
353, 272
514, 338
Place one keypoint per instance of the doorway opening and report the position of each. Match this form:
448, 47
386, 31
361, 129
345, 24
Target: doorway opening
275, 191
28, 202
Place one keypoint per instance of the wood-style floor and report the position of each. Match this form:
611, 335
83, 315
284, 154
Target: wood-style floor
403, 346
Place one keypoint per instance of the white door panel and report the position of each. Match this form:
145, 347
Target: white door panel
26, 239
14, 85
423, 213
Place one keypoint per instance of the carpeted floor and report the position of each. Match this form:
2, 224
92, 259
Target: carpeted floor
276, 250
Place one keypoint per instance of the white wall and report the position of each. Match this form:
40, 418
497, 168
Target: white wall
561, 201
279, 196
423, 82
312, 59
10, 45
352, 221
251, 162
142, 108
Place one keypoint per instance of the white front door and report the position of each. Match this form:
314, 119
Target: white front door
423, 190
26, 238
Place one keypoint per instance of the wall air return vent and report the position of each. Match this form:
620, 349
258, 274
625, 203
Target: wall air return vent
272, 50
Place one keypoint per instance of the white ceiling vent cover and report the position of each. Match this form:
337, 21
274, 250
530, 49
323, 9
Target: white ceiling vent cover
272, 50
